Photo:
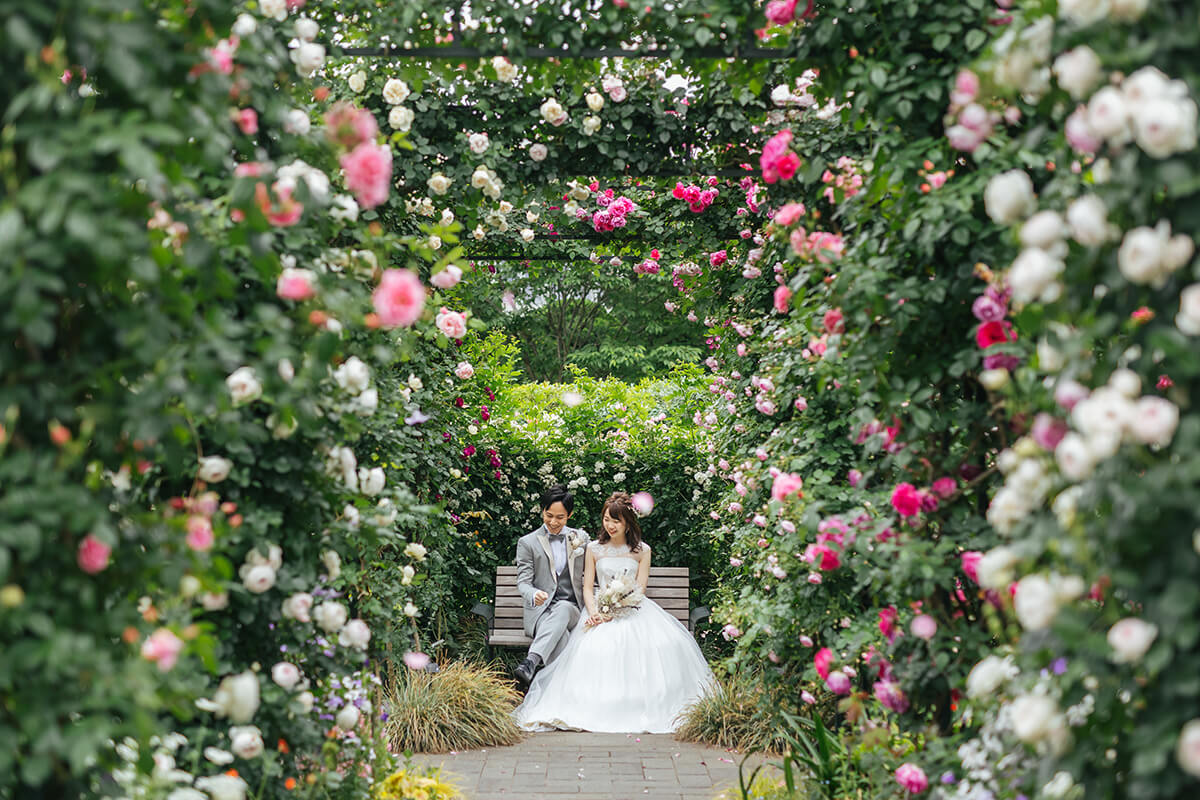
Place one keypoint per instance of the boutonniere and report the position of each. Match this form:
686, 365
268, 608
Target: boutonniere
576, 540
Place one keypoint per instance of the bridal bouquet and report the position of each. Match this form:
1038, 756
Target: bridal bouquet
621, 596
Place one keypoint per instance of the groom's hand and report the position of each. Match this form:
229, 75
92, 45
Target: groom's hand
540, 597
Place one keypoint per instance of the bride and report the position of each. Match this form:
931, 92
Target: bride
632, 673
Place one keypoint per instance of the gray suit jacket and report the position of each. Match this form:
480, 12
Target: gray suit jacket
535, 570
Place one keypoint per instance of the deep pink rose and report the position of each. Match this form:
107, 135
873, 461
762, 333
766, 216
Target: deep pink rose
970, 564
780, 12
163, 648
906, 500
718, 258
1048, 431
887, 623
838, 683
247, 120
890, 695
997, 332
821, 660
400, 298
368, 172
786, 483
824, 557
452, 323
834, 321
783, 299
93, 555
912, 778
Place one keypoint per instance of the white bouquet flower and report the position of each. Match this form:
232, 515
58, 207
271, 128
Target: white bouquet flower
621, 596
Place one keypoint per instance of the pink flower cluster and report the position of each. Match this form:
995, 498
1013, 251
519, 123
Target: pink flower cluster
697, 199
778, 162
781, 12
843, 185
283, 213
399, 299
820, 245
613, 211
908, 500
368, 172
967, 122
348, 126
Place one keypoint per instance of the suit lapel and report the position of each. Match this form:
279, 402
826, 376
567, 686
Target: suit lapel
545, 540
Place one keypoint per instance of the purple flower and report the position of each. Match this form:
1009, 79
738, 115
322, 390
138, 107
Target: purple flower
417, 418
988, 308
1059, 665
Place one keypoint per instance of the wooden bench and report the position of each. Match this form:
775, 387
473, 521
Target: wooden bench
668, 586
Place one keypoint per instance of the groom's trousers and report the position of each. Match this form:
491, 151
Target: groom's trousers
553, 629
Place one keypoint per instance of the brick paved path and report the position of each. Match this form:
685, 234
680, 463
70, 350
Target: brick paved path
592, 766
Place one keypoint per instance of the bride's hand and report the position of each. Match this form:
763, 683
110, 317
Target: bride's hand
596, 619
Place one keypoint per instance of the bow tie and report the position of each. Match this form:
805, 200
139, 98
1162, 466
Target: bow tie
556, 536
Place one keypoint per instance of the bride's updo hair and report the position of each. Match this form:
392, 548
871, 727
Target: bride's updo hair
620, 506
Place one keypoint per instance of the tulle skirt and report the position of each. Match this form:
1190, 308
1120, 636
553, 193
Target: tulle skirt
634, 674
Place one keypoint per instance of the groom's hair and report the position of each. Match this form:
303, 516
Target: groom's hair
558, 494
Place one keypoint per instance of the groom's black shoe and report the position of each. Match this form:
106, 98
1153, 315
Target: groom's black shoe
524, 672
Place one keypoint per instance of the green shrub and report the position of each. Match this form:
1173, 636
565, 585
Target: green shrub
739, 715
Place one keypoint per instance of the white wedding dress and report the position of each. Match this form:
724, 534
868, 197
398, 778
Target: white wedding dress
633, 674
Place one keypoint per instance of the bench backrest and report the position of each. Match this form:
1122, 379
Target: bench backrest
668, 586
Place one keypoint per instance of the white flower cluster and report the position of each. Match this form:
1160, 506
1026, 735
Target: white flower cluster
1027, 482
1022, 58
486, 179
1148, 108
354, 377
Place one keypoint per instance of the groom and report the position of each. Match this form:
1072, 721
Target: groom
550, 580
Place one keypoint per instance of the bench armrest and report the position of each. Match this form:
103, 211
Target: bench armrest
484, 610
698, 615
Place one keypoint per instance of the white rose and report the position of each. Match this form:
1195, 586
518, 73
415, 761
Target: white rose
307, 30
989, 675
273, 558
480, 177
371, 481
298, 606
527, 235
245, 741
1083, 12
407, 574
1130, 638
994, 379
330, 616
214, 601
1087, 217
553, 113
308, 58
1187, 751
401, 118
415, 383
1126, 382
1127, 10
214, 469
357, 82
435, 242
505, 207
995, 568
366, 403
1036, 602
505, 69
332, 562
1078, 71
1035, 718
1050, 359
1033, 276
224, 787
306, 701
259, 579
438, 183
595, 101
1154, 421
1143, 253
1188, 318
395, 91
1180, 249
297, 122
243, 385
218, 756
355, 634
1009, 198
245, 25
189, 585
353, 375
1165, 126
479, 233
1043, 230
274, 9
415, 551
591, 124
347, 718
285, 675
538, 151
1007, 508
1108, 115
343, 207
410, 609
478, 142
237, 697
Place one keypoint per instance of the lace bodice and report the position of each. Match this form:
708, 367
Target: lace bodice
612, 561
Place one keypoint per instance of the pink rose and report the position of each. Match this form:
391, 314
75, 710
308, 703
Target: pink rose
801, 404
854, 478
447, 278
286, 212
399, 299
789, 214
834, 321
163, 648
822, 660
294, 284
93, 555
1048, 431
838, 683
780, 12
349, 127
806, 640
912, 778
452, 323
783, 299
199, 533
464, 371
368, 173
887, 623
1068, 392
923, 626
890, 695
786, 483
970, 564
906, 500
718, 258
944, 487
247, 120
824, 557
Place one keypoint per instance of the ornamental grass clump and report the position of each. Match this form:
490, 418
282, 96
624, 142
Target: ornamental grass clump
736, 715
463, 707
